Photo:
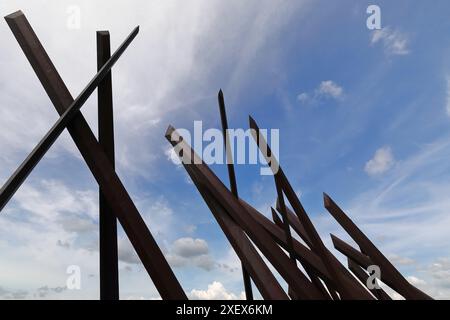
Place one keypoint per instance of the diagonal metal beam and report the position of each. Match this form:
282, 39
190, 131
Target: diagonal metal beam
264, 280
115, 193
402, 285
109, 268
350, 252
299, 282
305, 255
19, 176
309, 271
232, 177
363, 277
296, 225
362, 260
346, 292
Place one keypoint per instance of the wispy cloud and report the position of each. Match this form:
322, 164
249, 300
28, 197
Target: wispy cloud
447, 104
394, 42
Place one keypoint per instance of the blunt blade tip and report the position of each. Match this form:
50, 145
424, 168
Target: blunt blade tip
326, 200
14, 15
169, 131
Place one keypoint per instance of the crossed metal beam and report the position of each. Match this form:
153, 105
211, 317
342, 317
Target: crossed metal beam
252, 235
322, 275
98, 161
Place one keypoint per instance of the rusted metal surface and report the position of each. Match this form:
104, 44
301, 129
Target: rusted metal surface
233, 182
402, 285
309, 268
69, 113
363, 277
108, 252
287, 269
98, 162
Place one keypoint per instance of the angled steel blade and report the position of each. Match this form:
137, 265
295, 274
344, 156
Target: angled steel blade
362, 276
299, 282
401, 285
22, 172
233, 183
318, 246
98, 162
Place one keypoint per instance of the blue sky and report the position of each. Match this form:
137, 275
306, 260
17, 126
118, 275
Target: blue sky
363, 115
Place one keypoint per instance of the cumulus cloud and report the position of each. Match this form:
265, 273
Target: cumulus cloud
327, 89
190, 252
393, 41
330, 89
382, 161
215, 291
126, 252
189, 247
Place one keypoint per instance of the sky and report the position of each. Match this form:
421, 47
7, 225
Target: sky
363, 115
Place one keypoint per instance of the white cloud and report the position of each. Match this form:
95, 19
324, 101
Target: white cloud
327, 89
399, 260
331, 89
394, 42
172, 156
215, 291
303, 97
189, 247
126, 252
407, 213
382, 161
186, 252
416, 281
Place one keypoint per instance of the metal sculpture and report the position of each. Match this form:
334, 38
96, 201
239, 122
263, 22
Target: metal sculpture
251, 234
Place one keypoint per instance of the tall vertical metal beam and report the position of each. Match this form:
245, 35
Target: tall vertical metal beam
233, 183
115, 193
109, 269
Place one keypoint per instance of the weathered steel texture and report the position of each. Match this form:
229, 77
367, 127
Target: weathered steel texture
98, 162
300, 230
351, 252
309, 271
296, 225
264, 280
300, 284
305, 255
346, 291
232, 178
362, 260
108, 253
72, 111
398, 282
362, 276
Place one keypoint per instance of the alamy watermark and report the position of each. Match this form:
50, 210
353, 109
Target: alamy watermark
374, 275
373, 22
73, 281
73, 21
241, 147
